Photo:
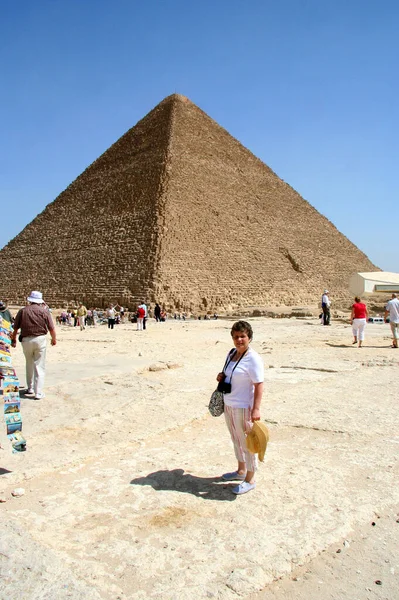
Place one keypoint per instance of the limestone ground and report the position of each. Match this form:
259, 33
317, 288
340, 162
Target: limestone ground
123, 496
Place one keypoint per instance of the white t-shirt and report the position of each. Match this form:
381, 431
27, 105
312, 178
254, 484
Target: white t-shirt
249, 370
393, 307
325, 300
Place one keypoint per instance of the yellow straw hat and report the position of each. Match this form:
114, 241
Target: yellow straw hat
257, 439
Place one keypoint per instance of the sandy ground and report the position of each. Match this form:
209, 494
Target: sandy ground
123, 496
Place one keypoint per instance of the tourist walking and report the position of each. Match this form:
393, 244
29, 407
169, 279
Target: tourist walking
392, 309
325, 306
359, 318
110, 313
35, 321
241, 381
82, 314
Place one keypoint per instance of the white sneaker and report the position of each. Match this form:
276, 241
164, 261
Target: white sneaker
243, 488
39, 396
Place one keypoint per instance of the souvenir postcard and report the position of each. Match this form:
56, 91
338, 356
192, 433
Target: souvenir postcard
11, 397
13, 427
5, 359
10, 385
18, 441
9, 378
13, 418
5, 324
12, 408
6, 371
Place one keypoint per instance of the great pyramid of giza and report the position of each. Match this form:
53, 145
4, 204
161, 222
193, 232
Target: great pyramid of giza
178, 211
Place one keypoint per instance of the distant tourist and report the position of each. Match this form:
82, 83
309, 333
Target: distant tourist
110, 314
4, 312
35, 321
157, 312
359, 318
325, 306
144, 306
95, 316
392, 309
162, 316
122, 313
82, 314
241, 381
140, 318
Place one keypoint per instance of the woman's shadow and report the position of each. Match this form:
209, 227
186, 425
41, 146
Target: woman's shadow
208, 488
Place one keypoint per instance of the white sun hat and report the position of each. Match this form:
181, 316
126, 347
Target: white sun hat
35, 297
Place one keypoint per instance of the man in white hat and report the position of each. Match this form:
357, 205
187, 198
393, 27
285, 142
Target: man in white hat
35, 321
325, 306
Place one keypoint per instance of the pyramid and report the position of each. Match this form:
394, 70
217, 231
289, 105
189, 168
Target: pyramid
178, 211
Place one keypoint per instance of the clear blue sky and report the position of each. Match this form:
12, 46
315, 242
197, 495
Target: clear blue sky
309, 86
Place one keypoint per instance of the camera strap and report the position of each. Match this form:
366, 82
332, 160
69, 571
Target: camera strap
228, 360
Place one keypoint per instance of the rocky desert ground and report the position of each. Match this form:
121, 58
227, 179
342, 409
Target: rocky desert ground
122, 490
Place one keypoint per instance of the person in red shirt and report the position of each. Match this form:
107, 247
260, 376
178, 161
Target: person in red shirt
358, 319
140, 318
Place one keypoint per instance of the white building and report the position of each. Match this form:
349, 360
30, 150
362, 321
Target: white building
372, 283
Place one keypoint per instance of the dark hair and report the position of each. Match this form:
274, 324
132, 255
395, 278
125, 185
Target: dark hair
242, 326
357, 299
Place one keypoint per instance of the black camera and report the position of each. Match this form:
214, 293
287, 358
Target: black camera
224, 387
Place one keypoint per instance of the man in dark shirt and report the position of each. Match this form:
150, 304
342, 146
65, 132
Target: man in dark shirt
34, 321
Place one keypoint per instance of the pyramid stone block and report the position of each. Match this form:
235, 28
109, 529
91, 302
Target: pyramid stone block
178, 211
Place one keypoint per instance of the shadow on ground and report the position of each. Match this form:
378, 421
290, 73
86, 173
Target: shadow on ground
4, 471
208, 488
350, 346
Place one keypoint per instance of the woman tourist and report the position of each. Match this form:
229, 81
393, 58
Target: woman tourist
358, 319
242, 384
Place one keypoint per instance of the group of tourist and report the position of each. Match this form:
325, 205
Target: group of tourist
82, 316
359, 317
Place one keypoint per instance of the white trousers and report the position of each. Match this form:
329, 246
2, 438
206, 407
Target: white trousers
82, 322
140, 323
236, 420
358, 326
395, 330
35, 356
